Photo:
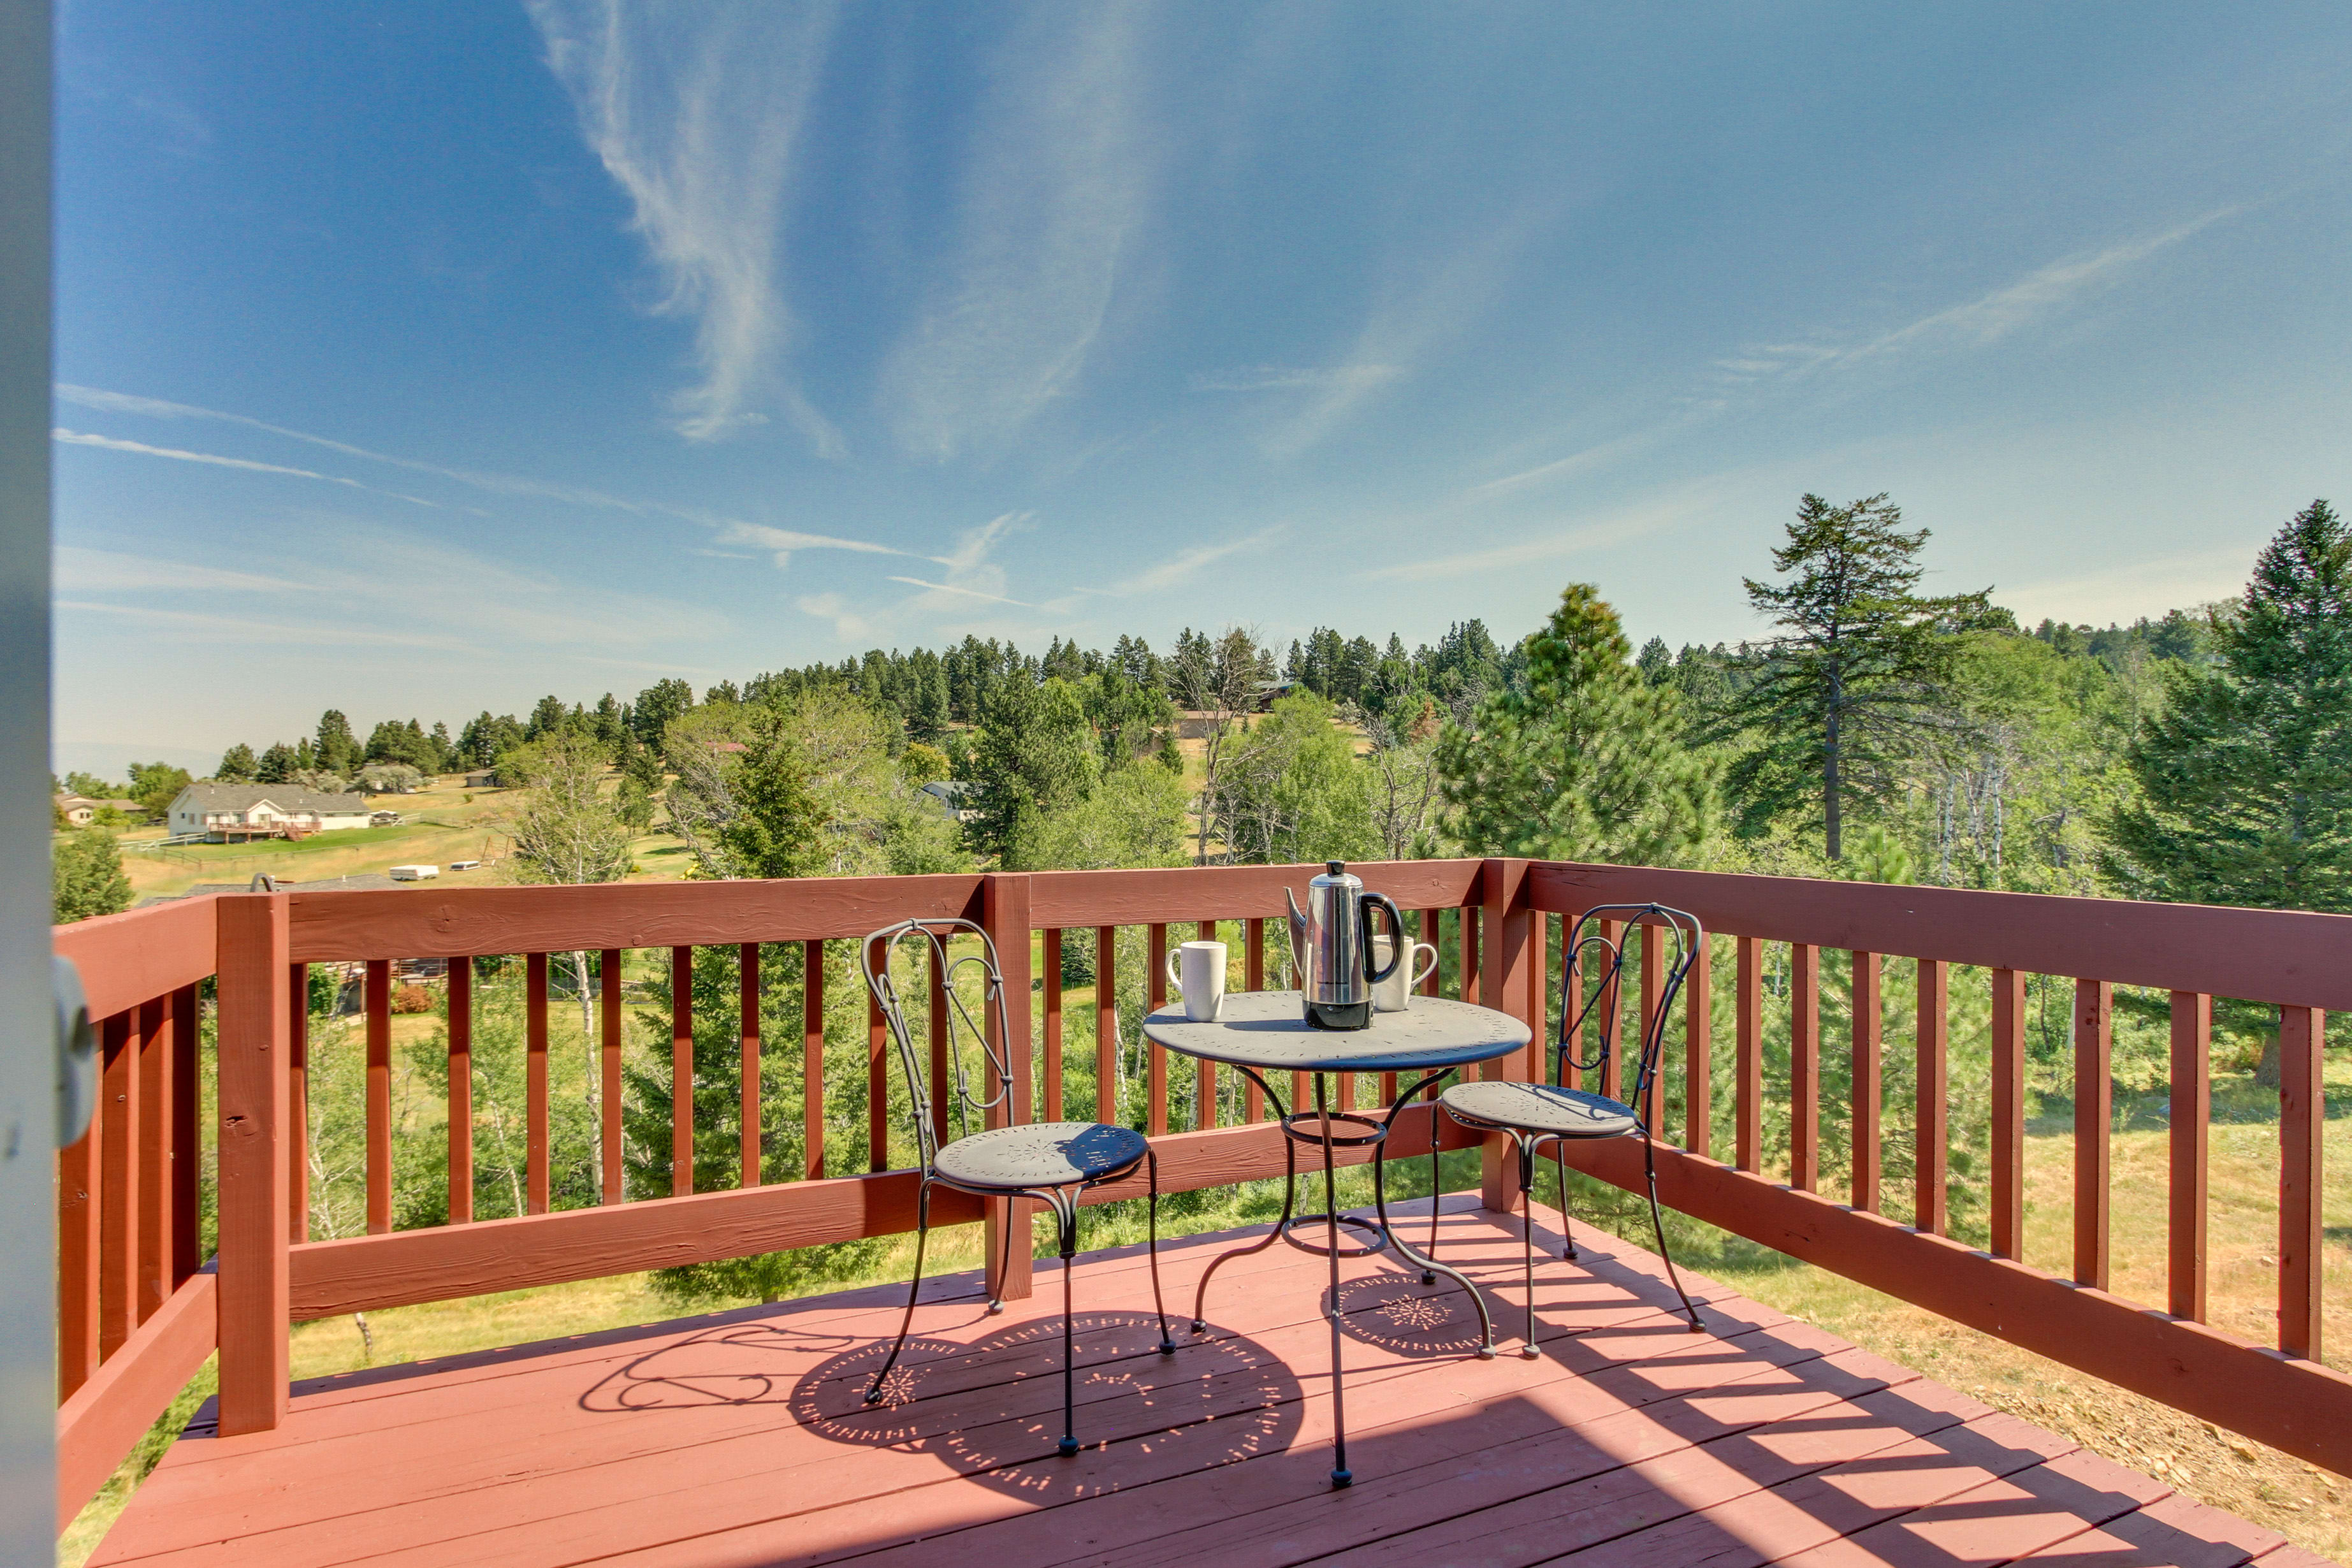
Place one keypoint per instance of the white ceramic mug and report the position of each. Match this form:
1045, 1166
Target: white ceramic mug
1394, 994
1197, 969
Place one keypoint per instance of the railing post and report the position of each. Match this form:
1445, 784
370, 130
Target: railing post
255, 1042
2302, 1112
1506, 970
1004, 911
2192, 1114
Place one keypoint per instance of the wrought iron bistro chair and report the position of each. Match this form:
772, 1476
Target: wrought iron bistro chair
1538, 1113
1050, 1160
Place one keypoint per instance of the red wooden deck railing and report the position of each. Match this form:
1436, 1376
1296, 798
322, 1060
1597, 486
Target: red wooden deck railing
138, 1316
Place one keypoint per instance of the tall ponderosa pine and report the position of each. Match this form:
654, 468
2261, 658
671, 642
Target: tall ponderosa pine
2248, 774
1585, 764
1858, 671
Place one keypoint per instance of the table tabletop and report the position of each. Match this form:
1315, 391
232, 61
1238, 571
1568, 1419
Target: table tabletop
1268, 1030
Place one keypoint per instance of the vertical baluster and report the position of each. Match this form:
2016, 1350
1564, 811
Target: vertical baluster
187, 1104
1868, 1024
877, 1085
2192, 1114
1611, 1018
1804, 1067
298, 1102
2008, 1113
1699, 1045
1053, 1025
1205, 1076
378, 995
1931, 1131
461, 1090
1531, 1068
1253, 979
1654, 987
1432, 932
1573, 993
1155, 984
942, 1087
812, 1060
2095, 1094
156, 1218
117, 1107
2303, 1111
1108, 1108
608, 1100
535, 1104
1747, 1066
749, 1123
681, 1072
80, 1244
1468, 918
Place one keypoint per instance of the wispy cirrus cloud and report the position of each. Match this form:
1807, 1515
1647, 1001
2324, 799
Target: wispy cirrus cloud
1290, 378
1186, 564
696, 112
414, 591
81, 438
779, 542
2002, 313
1054, 189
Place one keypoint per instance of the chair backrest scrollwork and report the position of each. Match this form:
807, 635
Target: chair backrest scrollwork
932, 939
1590, 948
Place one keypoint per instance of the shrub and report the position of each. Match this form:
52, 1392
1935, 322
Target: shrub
412, 999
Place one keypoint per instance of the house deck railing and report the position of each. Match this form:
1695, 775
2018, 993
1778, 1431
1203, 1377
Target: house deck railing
138, 1311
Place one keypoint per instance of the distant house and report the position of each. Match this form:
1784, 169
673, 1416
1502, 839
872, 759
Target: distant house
949, 797
233, 814
482, 778
77, 808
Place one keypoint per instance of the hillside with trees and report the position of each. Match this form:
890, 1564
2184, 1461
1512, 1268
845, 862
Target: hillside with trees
1869, 732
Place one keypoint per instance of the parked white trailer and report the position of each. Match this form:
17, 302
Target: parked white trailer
414, 873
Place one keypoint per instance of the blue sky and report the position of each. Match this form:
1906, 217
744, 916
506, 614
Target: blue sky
415, 358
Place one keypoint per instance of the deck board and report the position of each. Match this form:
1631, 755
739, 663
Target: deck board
740, 1438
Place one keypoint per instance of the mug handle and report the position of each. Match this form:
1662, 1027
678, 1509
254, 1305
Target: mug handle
1418, 949
1175, 976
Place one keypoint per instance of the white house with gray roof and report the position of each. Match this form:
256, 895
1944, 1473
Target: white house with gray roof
231, 813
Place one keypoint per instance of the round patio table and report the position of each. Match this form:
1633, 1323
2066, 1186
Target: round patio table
1261, 1032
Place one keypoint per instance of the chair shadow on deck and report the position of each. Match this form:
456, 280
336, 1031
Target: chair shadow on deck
989, 1408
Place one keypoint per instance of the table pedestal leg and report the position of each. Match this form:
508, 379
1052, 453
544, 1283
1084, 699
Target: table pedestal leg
1339, 1476
1428, 1266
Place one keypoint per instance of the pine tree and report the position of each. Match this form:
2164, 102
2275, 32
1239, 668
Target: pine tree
1036, 754
237, 764
1587, 762
2247, 777
338, 750
1858, 671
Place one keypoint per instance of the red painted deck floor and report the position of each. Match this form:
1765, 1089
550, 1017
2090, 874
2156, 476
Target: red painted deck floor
740, 1438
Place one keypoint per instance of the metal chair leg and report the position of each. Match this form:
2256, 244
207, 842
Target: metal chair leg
914, 1289
1658, 1225
1151, 1246
1427, 1277
1067, 1213
1012, 1216
1527, 1237
1567, 1237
